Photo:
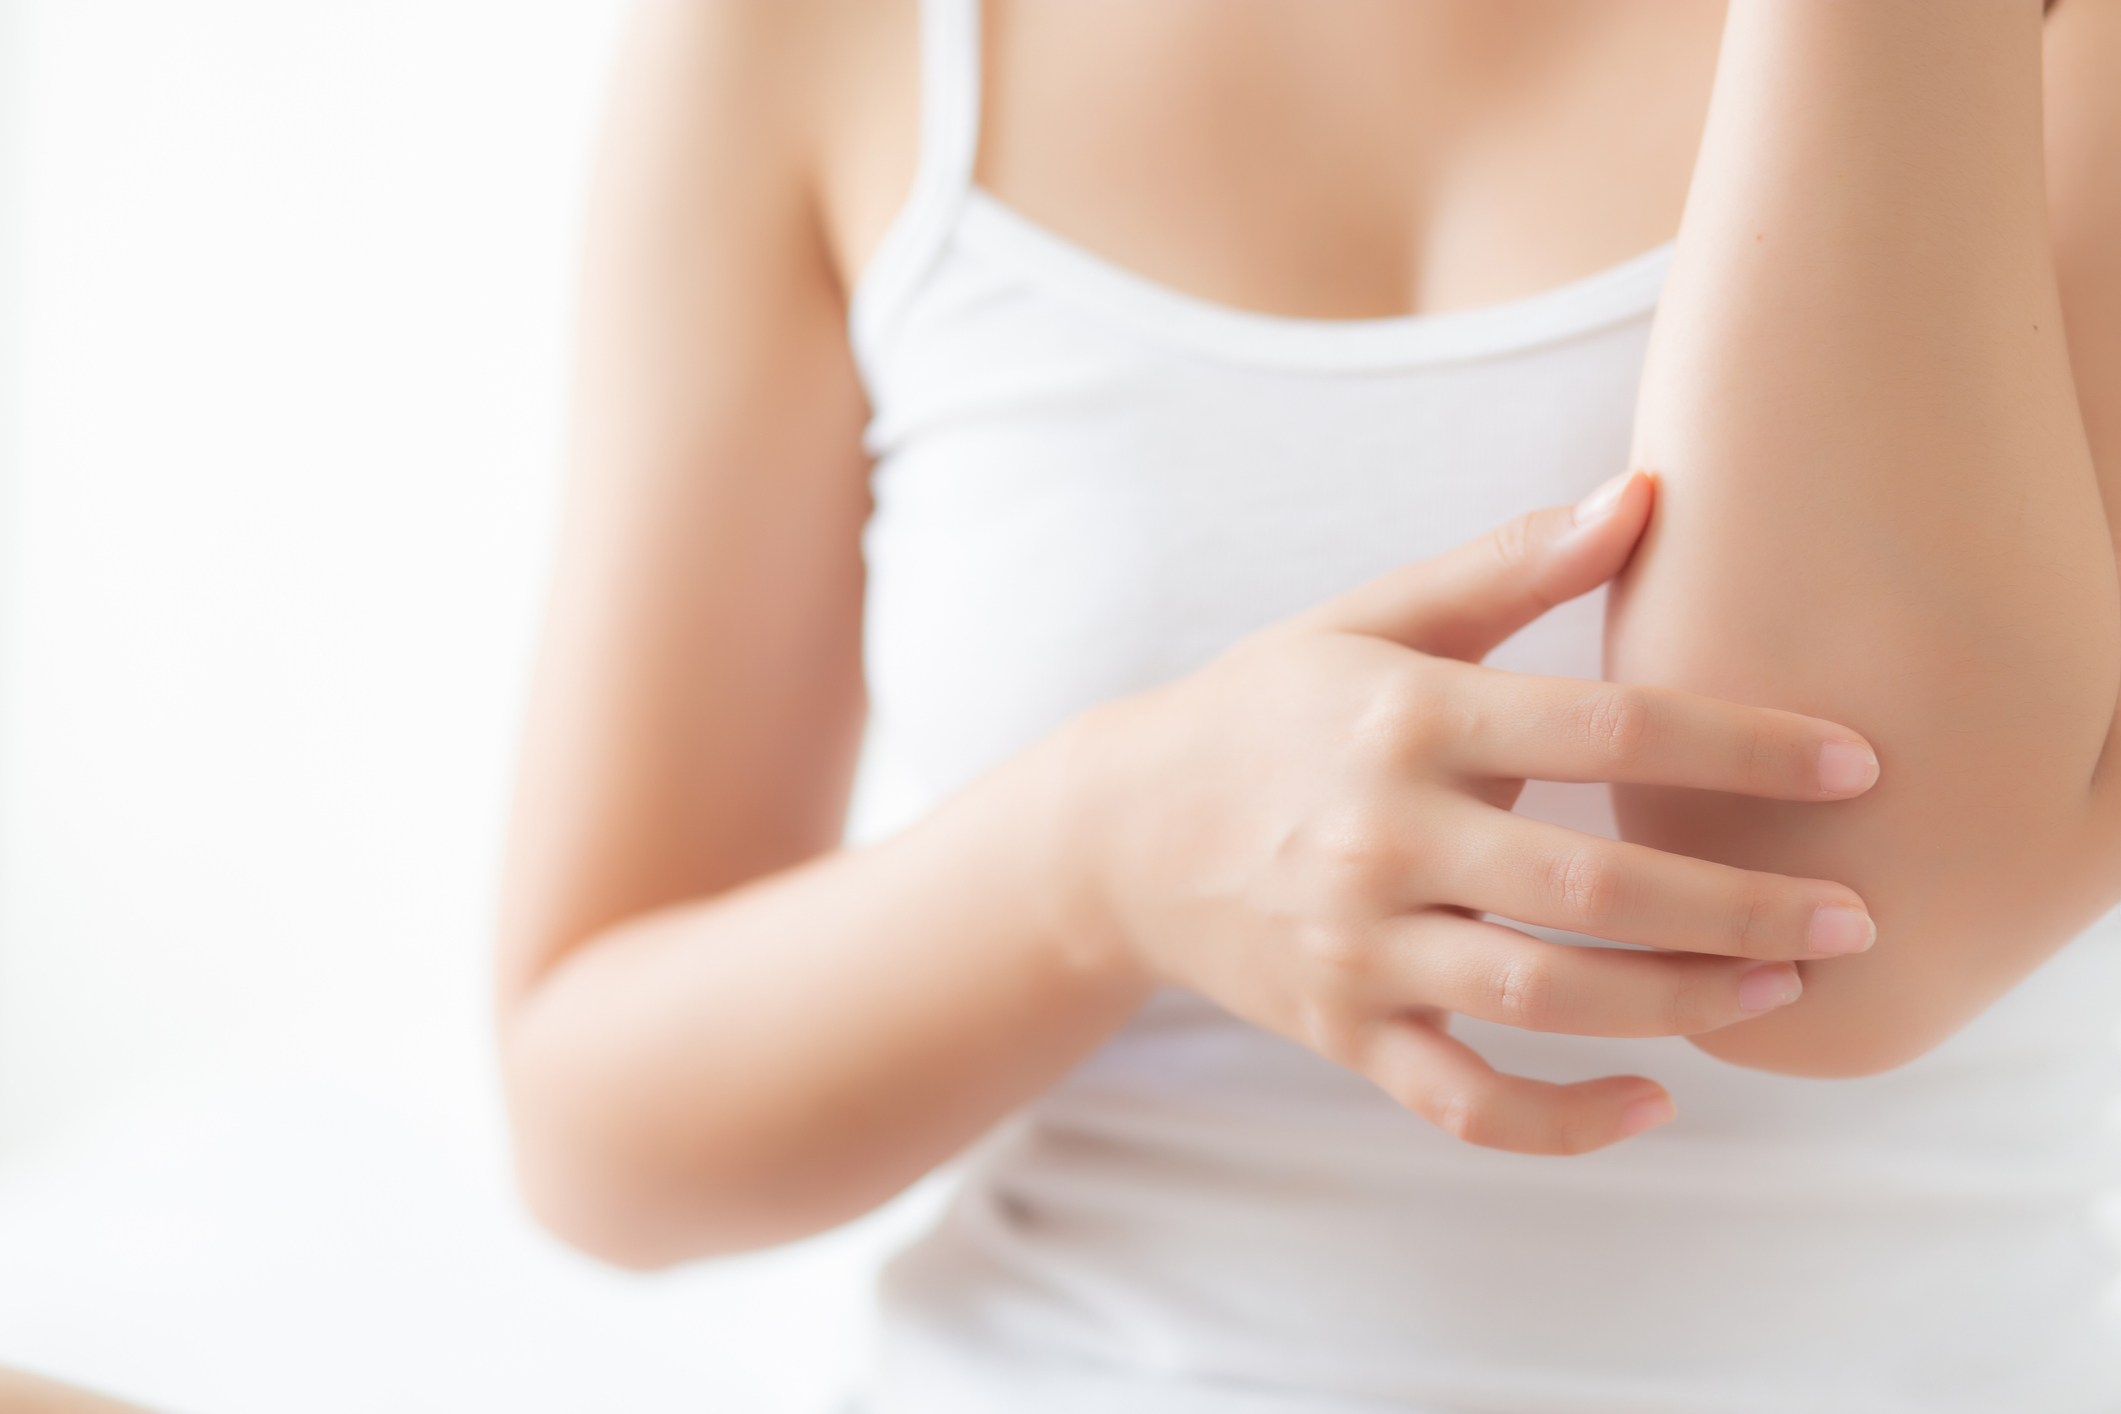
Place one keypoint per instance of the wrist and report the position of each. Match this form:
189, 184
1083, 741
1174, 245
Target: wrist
1066, 812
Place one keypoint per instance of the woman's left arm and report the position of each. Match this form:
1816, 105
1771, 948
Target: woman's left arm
1882, 501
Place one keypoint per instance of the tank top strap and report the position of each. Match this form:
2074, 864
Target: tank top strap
949, 144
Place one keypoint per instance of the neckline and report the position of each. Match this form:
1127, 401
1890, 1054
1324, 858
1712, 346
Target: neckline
987, 225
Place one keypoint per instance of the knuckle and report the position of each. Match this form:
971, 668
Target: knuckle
1587, 888
1411, 717
1752, 918
1763, 765
1329, 1029
1771, 759
1694, 1001
1457, 1111
1522, 994
1417, 687
1511, 543
1354, 859
1337, 954
1618, 721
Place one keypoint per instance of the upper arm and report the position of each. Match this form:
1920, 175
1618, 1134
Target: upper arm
1884, 506
2074, 877
2083, 159
2083, 60
698, 702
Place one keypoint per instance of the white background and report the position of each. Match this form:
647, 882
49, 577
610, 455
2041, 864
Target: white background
286, 293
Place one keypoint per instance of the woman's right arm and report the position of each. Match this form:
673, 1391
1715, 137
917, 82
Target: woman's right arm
717, 1032
720, 1031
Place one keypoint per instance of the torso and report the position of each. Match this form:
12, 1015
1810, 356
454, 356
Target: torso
1100, 459
1359, 160
1367, 158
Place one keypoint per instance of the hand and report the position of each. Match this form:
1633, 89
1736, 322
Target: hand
1309, 829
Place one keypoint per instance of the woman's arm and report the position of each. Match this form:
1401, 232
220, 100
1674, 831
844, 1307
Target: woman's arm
720, 1031
29, 1394
1880, 503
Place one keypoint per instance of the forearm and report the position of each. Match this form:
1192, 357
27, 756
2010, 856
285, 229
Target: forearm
756, 1067
1878, 506
29, 1394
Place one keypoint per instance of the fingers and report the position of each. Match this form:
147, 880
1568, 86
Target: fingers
1460, 604
1441, 1079
1534, 872
1498, 974
1562, 729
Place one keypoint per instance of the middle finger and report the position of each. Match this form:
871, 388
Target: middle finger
1531, 871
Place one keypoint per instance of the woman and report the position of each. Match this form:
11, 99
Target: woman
1099, 402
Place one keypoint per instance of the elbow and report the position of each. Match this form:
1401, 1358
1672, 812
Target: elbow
630, 1155
611, 1185
1970, 897
580, 1180
632, 1216
592, 1223
571, 1173
628, 1210
575, 1186
1920, 986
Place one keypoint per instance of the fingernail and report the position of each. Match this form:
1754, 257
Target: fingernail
1646, 1113
1837, 928
1599, 504
1765, 988
1846, 768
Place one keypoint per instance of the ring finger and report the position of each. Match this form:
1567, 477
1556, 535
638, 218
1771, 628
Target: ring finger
1531, 871
1498, 974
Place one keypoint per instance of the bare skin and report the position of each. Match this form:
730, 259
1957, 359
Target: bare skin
22, 1393
1862, 396
720, 1031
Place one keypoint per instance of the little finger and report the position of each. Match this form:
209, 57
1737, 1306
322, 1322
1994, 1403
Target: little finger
1446, 1082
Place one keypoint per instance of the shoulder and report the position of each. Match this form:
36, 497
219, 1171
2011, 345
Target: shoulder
805, 108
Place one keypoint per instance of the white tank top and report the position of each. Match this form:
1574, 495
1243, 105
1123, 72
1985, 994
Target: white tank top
1088, 484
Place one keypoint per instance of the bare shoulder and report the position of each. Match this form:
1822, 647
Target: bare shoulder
2083, 157
817, 95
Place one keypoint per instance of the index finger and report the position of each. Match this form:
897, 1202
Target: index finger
1516, 726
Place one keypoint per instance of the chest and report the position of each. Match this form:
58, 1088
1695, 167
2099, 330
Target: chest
1355, 160
1087, 485
1364, 159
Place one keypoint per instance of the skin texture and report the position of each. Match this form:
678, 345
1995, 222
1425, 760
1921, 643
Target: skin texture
1881, 505
1321, 868
720, 1031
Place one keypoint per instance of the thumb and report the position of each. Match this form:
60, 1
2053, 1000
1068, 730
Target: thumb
1462, 603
